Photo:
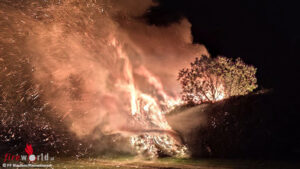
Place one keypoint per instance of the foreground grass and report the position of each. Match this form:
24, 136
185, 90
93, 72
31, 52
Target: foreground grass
128, 162
168, 163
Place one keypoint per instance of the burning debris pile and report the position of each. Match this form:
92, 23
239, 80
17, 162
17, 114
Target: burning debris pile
148, 116
93, 67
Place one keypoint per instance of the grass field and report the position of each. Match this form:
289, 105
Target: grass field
169, 163
126, 162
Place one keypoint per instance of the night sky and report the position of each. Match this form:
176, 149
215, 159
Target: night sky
262, 32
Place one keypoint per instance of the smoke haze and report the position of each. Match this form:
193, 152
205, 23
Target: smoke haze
84, 54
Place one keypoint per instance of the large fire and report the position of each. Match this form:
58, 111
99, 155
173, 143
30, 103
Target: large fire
99, 66
146, 111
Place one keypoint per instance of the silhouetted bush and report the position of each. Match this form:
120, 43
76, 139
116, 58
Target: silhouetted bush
251, 126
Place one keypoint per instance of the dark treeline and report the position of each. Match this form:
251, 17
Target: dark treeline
252, 126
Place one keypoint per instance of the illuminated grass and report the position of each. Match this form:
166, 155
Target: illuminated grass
130, 162
168, 163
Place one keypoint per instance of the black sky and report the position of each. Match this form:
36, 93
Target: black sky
264, 33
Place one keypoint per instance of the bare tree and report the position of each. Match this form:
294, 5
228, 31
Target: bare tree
212, 79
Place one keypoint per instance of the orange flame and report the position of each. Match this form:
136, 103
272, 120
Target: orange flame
146, 109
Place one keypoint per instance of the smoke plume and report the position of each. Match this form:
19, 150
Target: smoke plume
86, 55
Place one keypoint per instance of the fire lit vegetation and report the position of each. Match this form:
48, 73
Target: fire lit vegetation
165, 163
212, 79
